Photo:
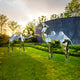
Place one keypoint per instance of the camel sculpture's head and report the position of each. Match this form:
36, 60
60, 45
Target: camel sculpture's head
44, 27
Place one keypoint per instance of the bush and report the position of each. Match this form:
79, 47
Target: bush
32, 39
73, 49
3, 39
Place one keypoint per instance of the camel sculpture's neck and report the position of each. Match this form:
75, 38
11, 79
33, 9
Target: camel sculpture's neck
43, 36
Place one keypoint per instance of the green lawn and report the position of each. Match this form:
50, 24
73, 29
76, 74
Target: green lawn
33, 64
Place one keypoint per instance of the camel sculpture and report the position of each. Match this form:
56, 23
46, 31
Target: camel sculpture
20, 40
50, 40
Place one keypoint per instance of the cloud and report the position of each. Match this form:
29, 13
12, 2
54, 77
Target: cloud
42, 6
21, 10
15, 9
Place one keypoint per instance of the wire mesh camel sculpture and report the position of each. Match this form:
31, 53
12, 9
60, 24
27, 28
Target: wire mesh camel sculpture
50, 40
20, 40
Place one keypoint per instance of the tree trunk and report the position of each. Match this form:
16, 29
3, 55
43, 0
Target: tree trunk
1, 29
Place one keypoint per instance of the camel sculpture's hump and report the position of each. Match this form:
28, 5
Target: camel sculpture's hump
53, 33
61, 33
60, 36
12, 37
19, 36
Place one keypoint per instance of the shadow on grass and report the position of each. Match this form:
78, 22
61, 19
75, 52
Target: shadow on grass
34, 65
20, 66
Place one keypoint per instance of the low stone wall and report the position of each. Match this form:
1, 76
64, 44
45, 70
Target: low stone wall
70, 26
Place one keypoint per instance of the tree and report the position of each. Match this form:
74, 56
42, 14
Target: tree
13, 25
42, 19
73, 8
3, 20
53, 16
30, 27
61, 15
39, 20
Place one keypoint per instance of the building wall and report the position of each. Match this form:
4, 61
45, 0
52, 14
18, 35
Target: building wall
70, 26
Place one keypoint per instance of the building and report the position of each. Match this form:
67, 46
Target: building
70, 26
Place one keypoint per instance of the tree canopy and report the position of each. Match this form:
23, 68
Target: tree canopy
13, 25
73, 8
41, 19
54, 16
3, 20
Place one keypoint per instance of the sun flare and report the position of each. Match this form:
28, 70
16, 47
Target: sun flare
31, 17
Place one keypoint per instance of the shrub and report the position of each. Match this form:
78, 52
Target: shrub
32, 39
73, 49
3, 39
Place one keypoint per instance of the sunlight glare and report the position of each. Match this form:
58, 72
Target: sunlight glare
31, 17
23, 24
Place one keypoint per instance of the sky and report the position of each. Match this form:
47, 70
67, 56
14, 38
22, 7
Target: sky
24, 11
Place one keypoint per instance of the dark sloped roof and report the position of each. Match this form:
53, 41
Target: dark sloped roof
70, 26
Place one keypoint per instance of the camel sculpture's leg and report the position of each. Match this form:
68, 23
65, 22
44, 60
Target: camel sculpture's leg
23, 47
66, 53
66, 56
51, 55
20, 48
12, 48
10, 44
51, 49
50, 52
8, 48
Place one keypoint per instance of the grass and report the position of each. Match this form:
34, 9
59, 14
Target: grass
33, 64
74, 50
